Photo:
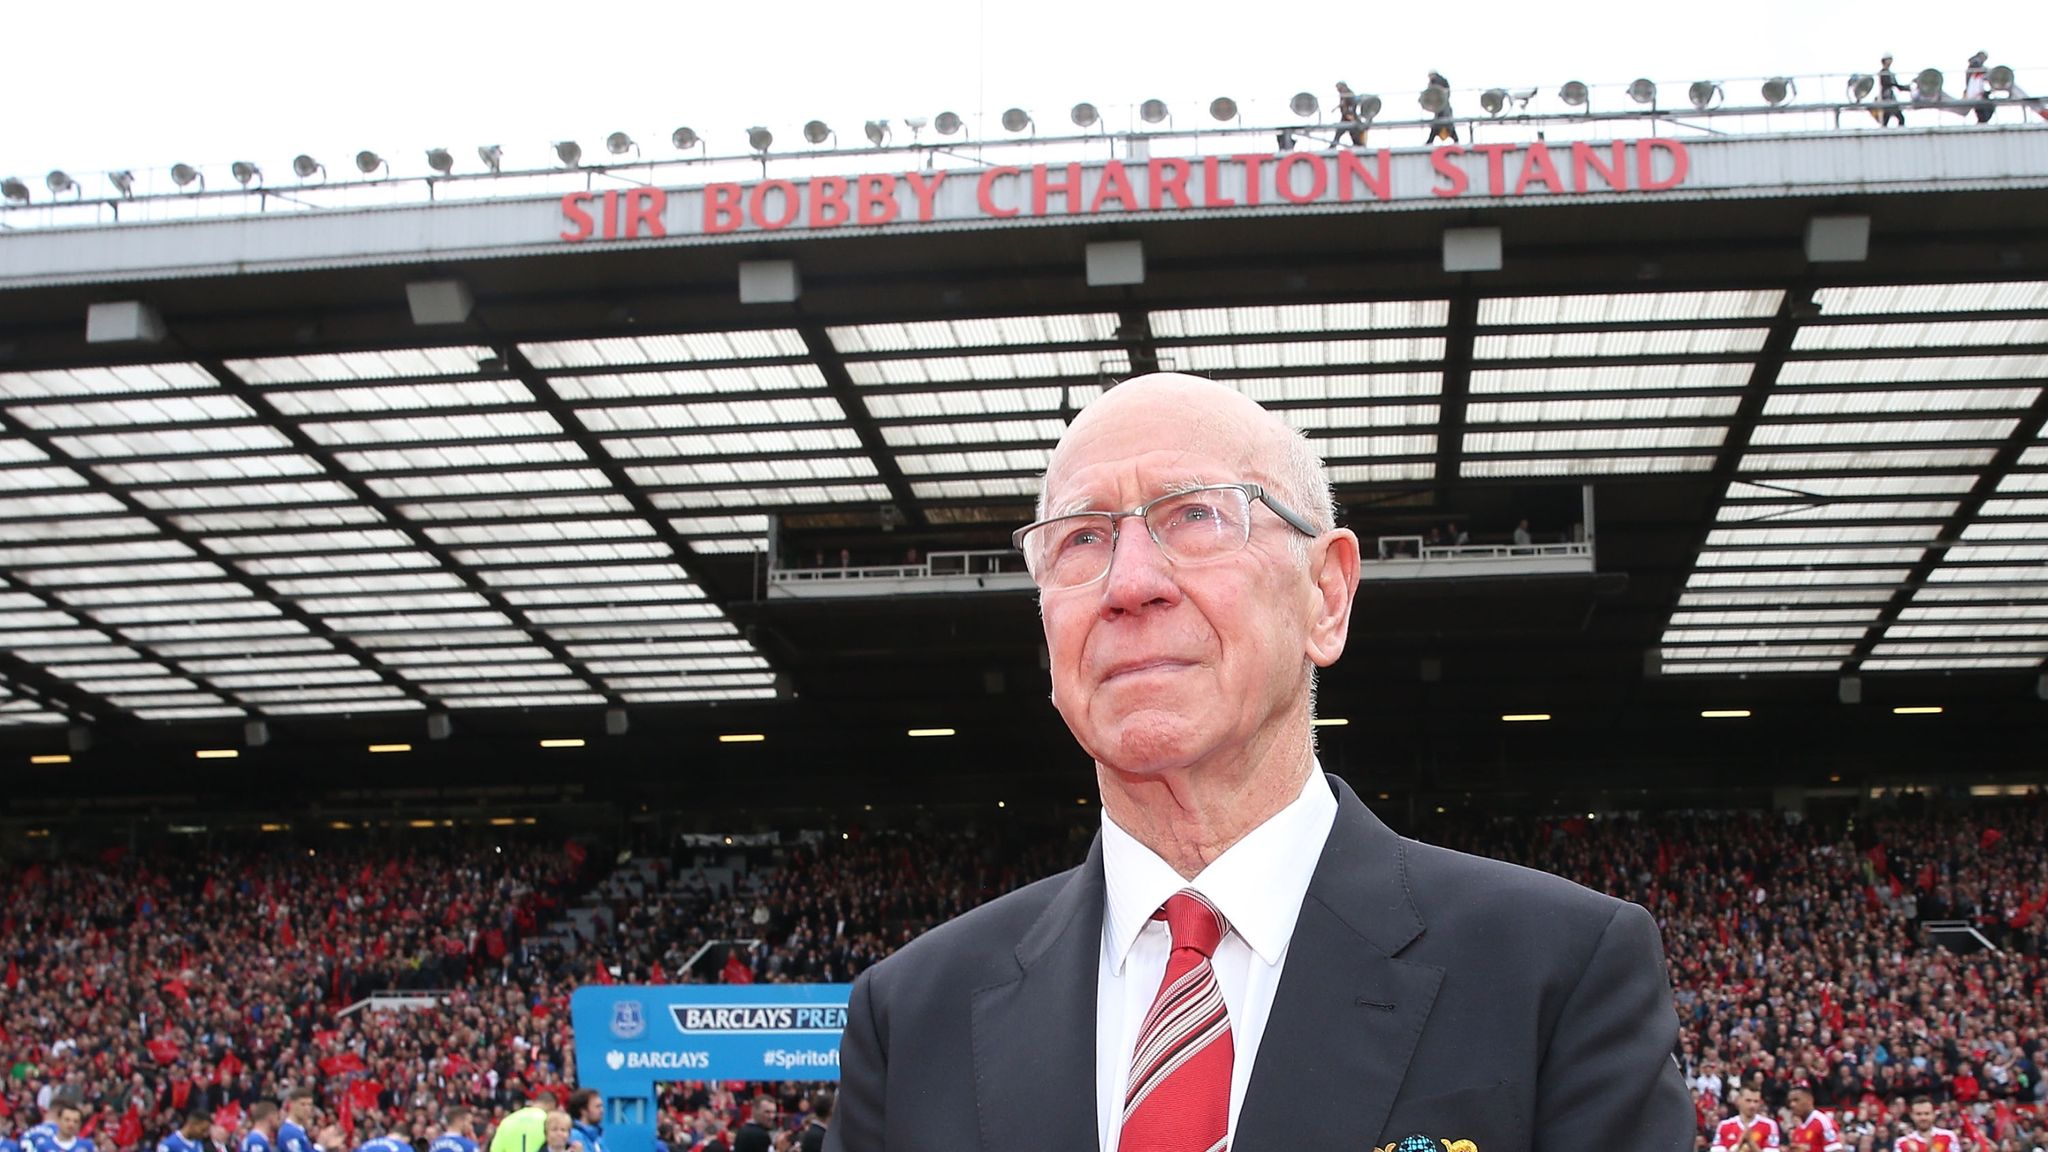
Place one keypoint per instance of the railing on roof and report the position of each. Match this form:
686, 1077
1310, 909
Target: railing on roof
1411, 558
936, 566
1408, 549
1525, 114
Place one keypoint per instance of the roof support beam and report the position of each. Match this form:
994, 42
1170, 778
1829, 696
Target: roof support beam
1967, 511
1457, 385
1797, 307
82, 706
1134, 329
255, 398
231, 573
839, 383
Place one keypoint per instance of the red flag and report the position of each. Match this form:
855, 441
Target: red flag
1989, 839
129, 1133
364, 1094
657, 976
13, 974
603, 974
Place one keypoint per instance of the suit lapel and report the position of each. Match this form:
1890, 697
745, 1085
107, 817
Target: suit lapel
1034, 1035
1348, 1011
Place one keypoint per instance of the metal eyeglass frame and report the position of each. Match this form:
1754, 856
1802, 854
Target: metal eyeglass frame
1253, 493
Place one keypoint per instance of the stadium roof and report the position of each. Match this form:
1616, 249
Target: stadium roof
302, 504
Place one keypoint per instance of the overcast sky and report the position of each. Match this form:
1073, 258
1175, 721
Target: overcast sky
146, 83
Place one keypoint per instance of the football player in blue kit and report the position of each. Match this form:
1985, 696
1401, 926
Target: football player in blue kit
190, 1136
457, 1132
263, 1121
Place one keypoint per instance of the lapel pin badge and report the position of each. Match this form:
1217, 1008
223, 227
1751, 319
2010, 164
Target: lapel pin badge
1421, 1143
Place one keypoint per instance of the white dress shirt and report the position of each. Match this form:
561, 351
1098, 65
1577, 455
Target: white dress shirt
1258, 885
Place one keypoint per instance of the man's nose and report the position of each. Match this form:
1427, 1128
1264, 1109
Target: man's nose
1140, 574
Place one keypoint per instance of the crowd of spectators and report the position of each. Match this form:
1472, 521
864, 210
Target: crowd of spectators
826, 910
148, 986
1799, 956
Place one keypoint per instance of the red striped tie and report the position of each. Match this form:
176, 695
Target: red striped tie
1179, 1094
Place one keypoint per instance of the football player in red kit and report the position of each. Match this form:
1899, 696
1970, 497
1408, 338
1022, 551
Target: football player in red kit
1812, 1129
1925, 1137
1749, 1130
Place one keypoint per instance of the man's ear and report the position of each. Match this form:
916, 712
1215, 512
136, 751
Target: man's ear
1333, 567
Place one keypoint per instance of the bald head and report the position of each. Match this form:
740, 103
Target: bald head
1200, 415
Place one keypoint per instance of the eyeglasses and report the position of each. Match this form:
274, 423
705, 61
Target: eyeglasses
1190, 527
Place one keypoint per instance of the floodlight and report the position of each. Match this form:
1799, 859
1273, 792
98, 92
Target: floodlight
917, 124
1927, 85
817, 132
14, 190
877, 132
947, 123
1304, 104
367, 162
492, 156
1522, 96
1777, 89
183, 176
1703, 94
59, 182
303, 166
1493, 100
1223, 108
1153, 111
618, 144
759, 139
441, 160
244, 172
1860, 86
1017, 120
123, 182
570, 153
1085, 115
1643, 90
1368, 108
1573, 93
1433, 99
1999, 79
685, 139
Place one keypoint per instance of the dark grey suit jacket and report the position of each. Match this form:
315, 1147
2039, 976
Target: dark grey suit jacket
1426, 992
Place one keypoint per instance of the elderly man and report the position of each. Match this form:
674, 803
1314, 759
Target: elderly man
1248, 958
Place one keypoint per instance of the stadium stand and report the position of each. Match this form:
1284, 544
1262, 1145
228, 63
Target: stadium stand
145, 986
148, 985
289, 479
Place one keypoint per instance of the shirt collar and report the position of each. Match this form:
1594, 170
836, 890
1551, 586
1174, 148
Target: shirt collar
1258, 883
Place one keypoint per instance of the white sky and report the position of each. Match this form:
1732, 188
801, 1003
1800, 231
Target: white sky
146, 83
